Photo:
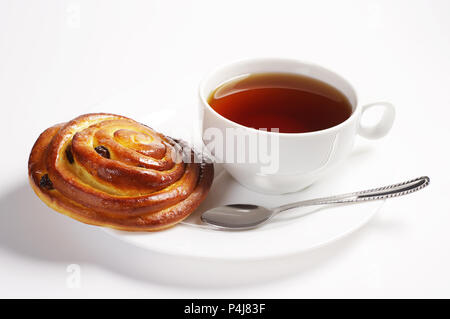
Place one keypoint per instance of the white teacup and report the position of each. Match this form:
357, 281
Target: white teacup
301, 158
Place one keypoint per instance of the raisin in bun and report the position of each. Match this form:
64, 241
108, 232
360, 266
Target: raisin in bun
108, 170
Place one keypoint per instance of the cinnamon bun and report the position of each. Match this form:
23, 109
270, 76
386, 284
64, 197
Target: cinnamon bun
109, 170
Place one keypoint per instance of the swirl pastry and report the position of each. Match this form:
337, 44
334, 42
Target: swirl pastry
108, 170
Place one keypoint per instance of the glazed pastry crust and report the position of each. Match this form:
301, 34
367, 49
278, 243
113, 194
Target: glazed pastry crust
108, 170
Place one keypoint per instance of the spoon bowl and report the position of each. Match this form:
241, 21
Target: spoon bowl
237, 216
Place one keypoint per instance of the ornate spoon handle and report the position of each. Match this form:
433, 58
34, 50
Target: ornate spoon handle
370, 194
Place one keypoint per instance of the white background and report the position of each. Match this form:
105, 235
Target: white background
60, 58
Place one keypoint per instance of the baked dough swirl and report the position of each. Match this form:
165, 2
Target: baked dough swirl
108, 170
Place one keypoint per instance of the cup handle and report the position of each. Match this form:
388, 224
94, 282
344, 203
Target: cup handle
383, 126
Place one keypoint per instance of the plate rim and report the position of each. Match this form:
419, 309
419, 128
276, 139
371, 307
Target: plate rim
115, 233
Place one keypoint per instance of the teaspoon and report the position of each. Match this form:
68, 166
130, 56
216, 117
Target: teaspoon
247, 216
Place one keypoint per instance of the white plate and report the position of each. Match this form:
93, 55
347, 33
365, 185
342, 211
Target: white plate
290, 232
